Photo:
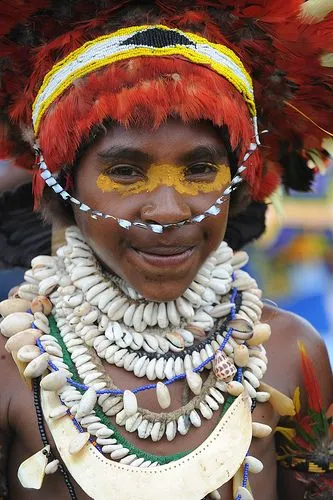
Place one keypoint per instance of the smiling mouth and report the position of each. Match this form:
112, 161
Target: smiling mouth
165, 256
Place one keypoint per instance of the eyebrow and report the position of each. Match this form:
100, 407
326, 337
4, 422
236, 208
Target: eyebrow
204, 153
200, 153
126, 154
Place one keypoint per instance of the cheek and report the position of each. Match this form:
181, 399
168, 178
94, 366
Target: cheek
215, 228
105, 238
108, 234
96, 191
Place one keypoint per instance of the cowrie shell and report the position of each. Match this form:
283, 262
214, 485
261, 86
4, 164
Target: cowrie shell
78, 443
10, 306
163, 395
15, 322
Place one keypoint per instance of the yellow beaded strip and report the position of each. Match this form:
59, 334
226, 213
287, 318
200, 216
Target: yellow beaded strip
302, 464
233, 69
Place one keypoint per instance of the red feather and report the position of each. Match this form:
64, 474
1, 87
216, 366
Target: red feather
279, 48
37, 188
125, 91
271, 11
312, 388
14, 13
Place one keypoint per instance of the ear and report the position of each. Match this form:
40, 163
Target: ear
56, 211
239, 199
246, 226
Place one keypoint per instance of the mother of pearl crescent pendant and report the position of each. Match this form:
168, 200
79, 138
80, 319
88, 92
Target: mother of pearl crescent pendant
209, 466
224, 369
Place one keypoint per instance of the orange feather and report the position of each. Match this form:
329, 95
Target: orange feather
312, 388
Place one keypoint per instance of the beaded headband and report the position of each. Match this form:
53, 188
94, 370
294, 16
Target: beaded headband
143, 41
139, 41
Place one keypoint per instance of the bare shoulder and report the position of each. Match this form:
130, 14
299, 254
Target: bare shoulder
7, 376
287, 326
10, 383
288, 330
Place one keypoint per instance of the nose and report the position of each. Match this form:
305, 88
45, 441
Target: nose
165, 206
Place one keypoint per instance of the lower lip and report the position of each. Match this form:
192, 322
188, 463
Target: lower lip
166, 260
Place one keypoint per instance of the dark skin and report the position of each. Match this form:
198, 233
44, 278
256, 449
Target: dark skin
114, 247
126, 156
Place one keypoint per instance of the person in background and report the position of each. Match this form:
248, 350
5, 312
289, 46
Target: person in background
20, 227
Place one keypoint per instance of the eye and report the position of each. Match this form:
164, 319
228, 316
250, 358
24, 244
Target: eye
125, 173
201, 171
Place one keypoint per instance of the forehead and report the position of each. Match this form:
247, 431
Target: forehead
167, 143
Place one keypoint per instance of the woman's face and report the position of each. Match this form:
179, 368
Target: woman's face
162, 176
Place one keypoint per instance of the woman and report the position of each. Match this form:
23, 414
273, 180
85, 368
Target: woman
150, 330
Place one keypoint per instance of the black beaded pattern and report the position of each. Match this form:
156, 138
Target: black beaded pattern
42, 432
218, 329
159, 38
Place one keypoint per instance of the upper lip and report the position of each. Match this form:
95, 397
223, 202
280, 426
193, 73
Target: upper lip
170, 243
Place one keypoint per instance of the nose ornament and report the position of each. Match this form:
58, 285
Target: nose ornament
213, 210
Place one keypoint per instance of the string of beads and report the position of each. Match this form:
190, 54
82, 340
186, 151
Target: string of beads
45, 441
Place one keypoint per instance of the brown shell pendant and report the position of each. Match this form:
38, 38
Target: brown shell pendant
223, 368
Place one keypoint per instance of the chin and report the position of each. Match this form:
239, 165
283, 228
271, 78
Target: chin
158, 292
161, 279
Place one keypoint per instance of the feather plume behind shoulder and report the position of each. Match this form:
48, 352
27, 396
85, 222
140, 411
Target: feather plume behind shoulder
306, 441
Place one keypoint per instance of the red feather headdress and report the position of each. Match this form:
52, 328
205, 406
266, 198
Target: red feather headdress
285, 46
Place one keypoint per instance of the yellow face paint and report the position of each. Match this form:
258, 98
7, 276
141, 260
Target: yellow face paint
167, 175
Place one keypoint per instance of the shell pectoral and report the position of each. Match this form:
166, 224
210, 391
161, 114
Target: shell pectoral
230, 439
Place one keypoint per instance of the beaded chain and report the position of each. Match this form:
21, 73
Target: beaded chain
148, 456
118, 392
161, 459
82, 387
45, 441
69, 335
213, 210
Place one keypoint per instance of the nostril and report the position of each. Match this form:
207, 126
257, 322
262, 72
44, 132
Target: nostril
148, 209
148, 213
151, 221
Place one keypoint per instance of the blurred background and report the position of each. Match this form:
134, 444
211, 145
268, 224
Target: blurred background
293, 261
